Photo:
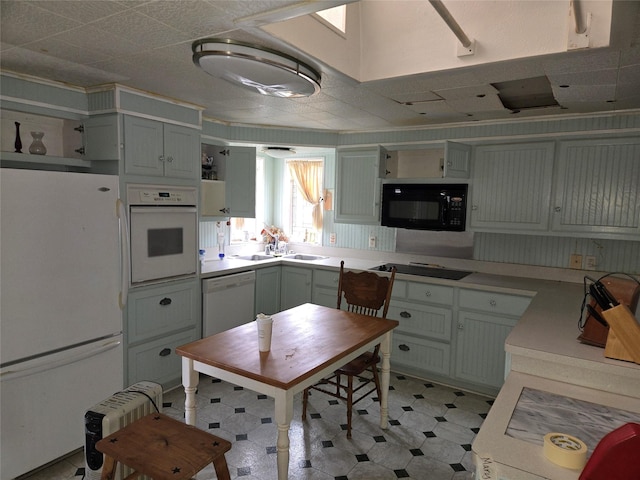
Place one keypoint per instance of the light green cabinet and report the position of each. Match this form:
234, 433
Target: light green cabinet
358, 180
103, 137
597, 188
157, 149
422, 341
485, 319
158, 319
236, 174
452, 160
296, 286
267, 298
511, 188
325, 287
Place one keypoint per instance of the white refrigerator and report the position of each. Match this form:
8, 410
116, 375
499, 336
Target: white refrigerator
61, 351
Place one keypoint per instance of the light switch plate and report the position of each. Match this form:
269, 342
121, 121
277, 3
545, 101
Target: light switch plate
372, 242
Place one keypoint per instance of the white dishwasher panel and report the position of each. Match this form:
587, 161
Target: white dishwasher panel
227, 302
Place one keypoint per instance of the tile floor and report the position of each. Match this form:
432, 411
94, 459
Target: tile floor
429, 437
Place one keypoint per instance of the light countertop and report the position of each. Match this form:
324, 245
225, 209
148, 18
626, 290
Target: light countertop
543, 353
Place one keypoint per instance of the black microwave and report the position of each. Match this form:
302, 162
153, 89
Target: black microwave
422, 206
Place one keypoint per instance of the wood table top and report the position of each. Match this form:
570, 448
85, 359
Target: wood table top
305, 339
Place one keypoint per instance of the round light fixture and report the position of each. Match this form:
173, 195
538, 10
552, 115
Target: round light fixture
279, 152
266, 71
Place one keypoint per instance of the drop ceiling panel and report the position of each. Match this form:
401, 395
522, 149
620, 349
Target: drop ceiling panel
488, 103
461, 93
585, 93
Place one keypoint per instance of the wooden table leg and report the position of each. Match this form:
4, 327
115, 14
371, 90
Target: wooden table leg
190, 382
385, 351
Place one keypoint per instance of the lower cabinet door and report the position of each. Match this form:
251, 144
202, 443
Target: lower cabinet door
420, 354
480, 354
157, 361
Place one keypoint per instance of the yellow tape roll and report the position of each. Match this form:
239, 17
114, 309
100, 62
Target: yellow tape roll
565, 450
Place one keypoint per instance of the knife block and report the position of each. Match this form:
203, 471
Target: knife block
627, 292
623, 341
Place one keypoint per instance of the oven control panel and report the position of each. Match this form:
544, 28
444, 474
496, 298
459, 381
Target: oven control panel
153, 195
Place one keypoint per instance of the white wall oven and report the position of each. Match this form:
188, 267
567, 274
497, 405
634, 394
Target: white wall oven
163, 232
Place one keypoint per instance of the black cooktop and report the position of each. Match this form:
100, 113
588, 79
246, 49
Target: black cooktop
424, 271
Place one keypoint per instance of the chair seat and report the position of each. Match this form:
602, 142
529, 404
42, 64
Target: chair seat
360, 364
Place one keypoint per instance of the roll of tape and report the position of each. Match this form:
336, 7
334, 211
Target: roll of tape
565, 450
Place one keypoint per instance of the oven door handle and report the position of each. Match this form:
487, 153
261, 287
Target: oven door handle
125, 255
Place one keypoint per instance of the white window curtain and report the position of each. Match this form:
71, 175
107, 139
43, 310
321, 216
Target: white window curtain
308, 178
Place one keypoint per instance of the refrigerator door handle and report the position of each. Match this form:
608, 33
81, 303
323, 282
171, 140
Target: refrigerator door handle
44, 363
125, 268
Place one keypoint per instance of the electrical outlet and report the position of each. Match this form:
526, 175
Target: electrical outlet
575, 261
332, 238
590, 262
372, 242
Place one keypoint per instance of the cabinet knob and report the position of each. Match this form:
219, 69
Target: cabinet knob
557, 209
225, 210
161, 158
80, 150
474, 207
492, 302
405, 314
165, 301
427, 293
169, 159
165, 352
79, 128
404, 348
460, 326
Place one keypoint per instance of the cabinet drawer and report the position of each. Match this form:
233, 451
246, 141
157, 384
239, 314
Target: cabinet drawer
328, 278
494, 302
160, 311
157, 360
420, 354
424, 292
428, 321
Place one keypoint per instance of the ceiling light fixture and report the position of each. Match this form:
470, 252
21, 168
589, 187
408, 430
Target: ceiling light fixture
279, 152
260, 69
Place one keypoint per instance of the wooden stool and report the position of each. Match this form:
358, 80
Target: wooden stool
163, 449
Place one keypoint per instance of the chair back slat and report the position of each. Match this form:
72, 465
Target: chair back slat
365, 292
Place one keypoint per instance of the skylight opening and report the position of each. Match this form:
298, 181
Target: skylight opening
336, 17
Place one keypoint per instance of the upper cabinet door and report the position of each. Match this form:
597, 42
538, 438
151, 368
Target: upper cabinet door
103, 137
156, 149
181, 152
240, 181
456, 160
512, 187
597, 188
357, 197
143, 146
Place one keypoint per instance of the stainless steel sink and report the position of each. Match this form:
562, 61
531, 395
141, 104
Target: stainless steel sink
255, 257
304, 256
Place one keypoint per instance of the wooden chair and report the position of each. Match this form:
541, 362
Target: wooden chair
164, 449
368, 294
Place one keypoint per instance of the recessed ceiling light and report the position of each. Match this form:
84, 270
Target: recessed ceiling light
260, 69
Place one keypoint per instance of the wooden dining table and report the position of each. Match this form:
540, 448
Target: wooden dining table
308, 343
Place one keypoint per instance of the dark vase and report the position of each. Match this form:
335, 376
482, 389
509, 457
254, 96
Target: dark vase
18, 142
